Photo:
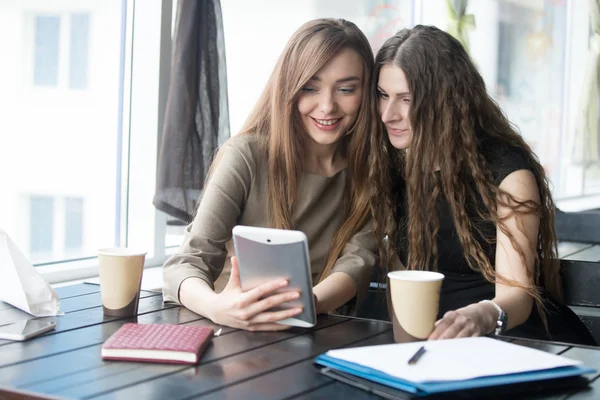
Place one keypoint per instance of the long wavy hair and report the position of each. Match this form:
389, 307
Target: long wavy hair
276, 120
451, 114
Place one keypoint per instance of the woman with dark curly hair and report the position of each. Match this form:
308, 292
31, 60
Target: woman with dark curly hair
468, 196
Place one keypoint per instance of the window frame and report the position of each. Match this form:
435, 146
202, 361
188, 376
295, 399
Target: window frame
133, 85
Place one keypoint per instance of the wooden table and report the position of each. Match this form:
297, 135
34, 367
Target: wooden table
66, 363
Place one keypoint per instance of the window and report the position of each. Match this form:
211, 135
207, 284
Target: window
61, 48
41, 223
81, 129
79, 49
74, 232
47, 31
60, 147
530, 54
55, 228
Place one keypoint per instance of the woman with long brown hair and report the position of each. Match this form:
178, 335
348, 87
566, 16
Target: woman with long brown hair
468, 196
297, 164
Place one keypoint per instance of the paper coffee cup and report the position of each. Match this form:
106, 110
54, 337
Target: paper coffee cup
416, 300
120, 272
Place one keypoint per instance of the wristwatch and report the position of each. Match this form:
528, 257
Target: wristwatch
502, 321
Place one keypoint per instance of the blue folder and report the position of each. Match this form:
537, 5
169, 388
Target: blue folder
429, 388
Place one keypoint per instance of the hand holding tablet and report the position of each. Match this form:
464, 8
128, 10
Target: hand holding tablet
270, 255
251, 309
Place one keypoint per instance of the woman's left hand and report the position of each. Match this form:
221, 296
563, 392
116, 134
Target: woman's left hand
472, 320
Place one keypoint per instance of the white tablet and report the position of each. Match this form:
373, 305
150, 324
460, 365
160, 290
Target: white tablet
266, 254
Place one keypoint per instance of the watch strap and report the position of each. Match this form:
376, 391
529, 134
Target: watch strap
502, 320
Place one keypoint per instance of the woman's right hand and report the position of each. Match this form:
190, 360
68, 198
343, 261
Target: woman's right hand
248, 310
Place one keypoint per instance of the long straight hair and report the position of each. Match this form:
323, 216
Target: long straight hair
450, 115
275, 120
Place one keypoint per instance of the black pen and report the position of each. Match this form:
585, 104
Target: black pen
417, 356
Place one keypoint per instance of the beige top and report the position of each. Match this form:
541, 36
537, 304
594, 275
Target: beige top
236, 195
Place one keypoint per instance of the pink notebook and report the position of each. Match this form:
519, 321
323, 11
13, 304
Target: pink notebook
162, 343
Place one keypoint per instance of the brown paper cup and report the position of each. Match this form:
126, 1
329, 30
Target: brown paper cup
120, 280
416, 300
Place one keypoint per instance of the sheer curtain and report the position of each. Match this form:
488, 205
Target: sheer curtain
196, 116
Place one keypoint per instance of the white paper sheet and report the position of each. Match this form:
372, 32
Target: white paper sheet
451, 360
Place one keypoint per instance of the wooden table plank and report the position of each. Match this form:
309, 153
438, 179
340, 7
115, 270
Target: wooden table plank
98, 369
68, 305
75, 330
289, 381
589, 254
337, 390
65, 292
590, 358
75, 361
107, 370
245, 365
544, 346
221, 347
238, 364
90, 316
591, 393
566, 249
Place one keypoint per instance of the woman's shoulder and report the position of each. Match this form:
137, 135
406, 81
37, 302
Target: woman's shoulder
244, 146
245, 143
505, 158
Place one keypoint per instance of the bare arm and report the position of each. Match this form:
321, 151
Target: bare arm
524, 229
351, 273
203, 250
197, 295
480, 318
334, 291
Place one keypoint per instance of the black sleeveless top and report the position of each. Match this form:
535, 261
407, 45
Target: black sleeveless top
463, 286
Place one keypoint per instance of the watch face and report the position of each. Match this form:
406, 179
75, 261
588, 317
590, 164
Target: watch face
502, 322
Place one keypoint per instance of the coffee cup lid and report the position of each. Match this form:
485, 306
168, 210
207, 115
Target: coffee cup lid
121, 251
416, 276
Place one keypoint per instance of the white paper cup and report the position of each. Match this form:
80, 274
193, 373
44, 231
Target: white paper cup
120, 272
416, 299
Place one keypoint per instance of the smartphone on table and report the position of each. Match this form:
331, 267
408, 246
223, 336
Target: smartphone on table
266, 254
27, 328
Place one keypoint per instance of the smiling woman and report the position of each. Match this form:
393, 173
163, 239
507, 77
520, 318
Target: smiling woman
329, 103
304, 144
